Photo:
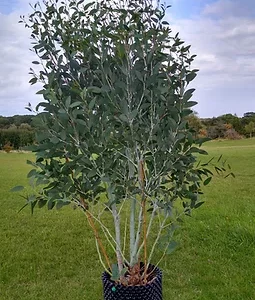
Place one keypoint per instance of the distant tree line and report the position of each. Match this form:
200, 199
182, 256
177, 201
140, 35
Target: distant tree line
227, 126
17, 120
18, 131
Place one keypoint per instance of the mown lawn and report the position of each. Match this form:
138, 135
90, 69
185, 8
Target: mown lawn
51, 255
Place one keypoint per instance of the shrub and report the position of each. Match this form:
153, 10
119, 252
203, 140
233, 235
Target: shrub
232, 134
7, 147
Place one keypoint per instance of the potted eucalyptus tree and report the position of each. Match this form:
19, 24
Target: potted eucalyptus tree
113, 137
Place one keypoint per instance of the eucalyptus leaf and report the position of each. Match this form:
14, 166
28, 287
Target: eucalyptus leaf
171, 247
115, 272
17, 188
207, 181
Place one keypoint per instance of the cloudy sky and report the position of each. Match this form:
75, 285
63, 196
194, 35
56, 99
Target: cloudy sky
221, 32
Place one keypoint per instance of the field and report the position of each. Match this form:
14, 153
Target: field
51, 255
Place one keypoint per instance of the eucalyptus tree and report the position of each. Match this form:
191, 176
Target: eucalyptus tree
113, 133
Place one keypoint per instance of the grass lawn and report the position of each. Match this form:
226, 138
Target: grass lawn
51, 255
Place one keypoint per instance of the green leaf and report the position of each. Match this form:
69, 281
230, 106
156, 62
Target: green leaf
51, 204
75, 104
63, 135
29, 162
54, 140
180, 220
81, 122
190, 104
115, 272
230, 174
39, 159
171, 247
197, 150
219, 159
62, 111
17, 188
88, 5
92, 173
25, 205
92, 103
41, 92
41, 181
123, 118
33, 80
207, 181
218, 170
31, 173
200, 141
68, 102
133, 114
42, 203
186, 112
197, 205
61, 203
32, 206
191, 76
94, 89
139, 75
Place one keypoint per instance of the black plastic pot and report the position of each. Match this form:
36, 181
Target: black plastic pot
150, 291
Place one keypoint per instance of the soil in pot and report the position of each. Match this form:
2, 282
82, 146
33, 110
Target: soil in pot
136, 290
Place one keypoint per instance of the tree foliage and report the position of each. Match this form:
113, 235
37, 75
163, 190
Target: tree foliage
17, 138
195, 124
114, 121
17, 120
250, 128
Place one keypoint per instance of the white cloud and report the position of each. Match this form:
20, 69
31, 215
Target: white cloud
15, 60
223, 8
223, 37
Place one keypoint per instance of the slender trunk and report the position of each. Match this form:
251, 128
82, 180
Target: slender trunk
132, 227
134, 257
99, 242
131, 171
142, 185
156, 240
149, 228
116, 218
144, 233
141, 220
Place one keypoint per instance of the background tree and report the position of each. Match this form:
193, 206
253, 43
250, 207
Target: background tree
195, 123
231, 134
249, 114
17, 120
234, 121
250, 128
4, 122
25, 126
217, 130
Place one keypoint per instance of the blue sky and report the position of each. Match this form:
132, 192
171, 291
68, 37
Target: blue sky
7, 7
187, 9
221, 32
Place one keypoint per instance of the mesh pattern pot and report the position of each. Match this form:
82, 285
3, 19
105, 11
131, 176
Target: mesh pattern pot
150, 291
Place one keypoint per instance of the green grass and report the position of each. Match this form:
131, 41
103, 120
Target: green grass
51, 255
